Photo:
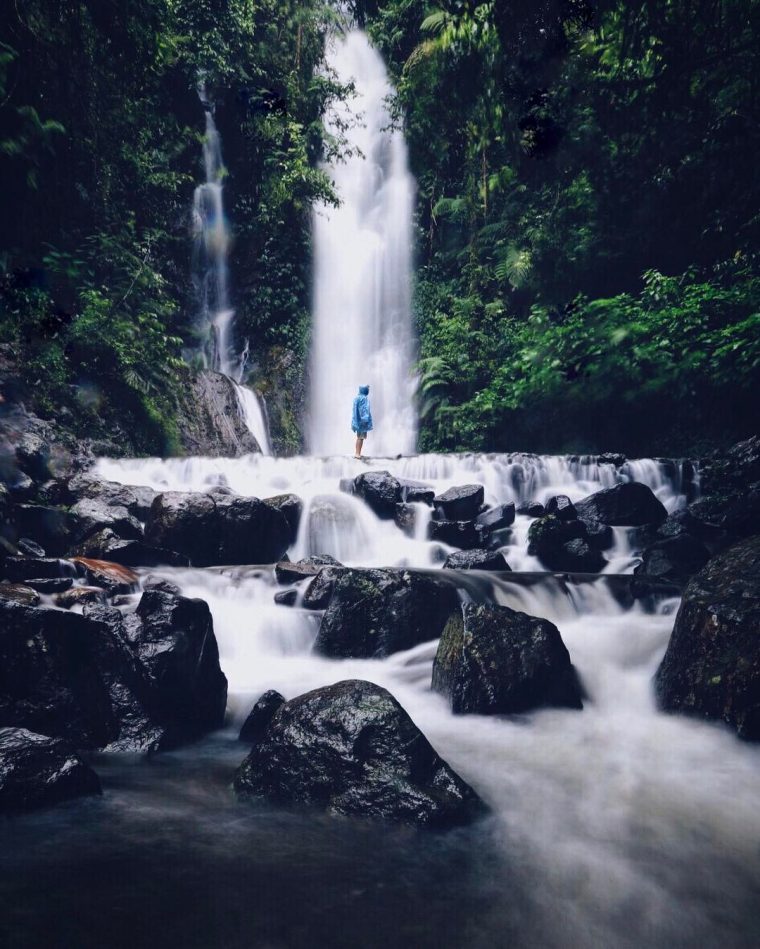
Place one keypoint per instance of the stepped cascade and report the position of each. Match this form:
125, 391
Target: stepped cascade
362, 323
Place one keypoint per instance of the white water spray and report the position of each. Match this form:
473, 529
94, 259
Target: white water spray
363, 269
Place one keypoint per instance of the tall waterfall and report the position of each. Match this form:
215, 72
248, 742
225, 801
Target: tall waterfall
211, 279
362, 323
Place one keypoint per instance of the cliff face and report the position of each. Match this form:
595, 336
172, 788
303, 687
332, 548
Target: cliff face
209, 419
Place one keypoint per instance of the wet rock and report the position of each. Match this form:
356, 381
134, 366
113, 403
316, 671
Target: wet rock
153, 582
291, 508
380, 491
20, 486
406, 519
497, 518
51, 584
562, 508
74, 676
531, 509
674, 558
732, 471
287, 572
257, 722
476, 560
175, 642
19, 593
38, 771
93, 515
711, 668
112, 577
562, 546
351, 749
136, 499
19, 569
105, 545
628, 505
49, 527
462, 503
218, 529
28, 548
494, 660
33, 456
729, 516
599, 536
612, 458
413, 492
579, 556
466, 535
320, 590
79, 596
286, 597
373, 613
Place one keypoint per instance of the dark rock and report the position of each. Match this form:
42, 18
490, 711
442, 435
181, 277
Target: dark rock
37, 771
287, 572
105, 545
291, 508
497, 518
629, 505
611, 458
113, 577
734, 470
562, 546
217, 529
152, 582
19, 569
33, 456
674, 558
286, 597
729, 516
531, 509
19, 593
412, 492
460, 503
380, 490
320, 590
74, 676
711, 668
176, 643
93, 515
50, 584
476, 560
373, 613
50, 527
578, 556
351, 749
28, 548
406, 519
466, 535
79, 596
494, 660
562, 508
599, 536
257, 722
20, 486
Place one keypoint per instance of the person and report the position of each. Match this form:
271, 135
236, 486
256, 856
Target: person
361, 418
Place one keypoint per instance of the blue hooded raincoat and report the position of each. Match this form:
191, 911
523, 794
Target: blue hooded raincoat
361, 417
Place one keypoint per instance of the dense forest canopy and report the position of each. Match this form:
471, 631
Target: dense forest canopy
587, 209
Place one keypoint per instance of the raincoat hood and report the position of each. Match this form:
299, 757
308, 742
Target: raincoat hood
363, 390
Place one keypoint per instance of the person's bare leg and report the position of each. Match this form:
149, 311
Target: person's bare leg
359, 443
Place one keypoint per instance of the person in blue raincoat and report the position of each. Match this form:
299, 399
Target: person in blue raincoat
361, 418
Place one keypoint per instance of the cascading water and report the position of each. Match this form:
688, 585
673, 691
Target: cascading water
362, 324
211, 279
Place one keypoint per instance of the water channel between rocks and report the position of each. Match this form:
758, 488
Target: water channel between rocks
614, 826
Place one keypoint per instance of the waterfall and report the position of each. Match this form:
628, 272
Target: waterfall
211, 279
362, 322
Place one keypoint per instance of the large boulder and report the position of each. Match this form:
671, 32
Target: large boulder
673, 558
136, 499
288, 572
497, 518
413, 492
320, 590
562, 508
33, 456
291, 508
351, 749
494, 660
711, 668
106, 545
173, 637
214, 529
92, 515
51, 527
37, 771
625, 505
380, 490
19, 569
373, 613
462, 503
467, 535
563, 545
476, 560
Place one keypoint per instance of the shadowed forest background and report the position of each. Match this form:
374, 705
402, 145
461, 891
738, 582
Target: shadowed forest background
587, 211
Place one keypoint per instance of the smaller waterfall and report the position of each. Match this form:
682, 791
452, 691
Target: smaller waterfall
211, 279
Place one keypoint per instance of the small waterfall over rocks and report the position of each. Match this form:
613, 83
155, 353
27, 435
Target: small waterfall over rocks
362, 323
211, 280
